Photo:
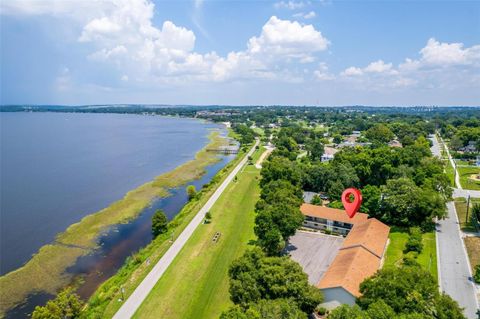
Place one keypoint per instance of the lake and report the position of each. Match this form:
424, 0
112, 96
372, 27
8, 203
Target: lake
56, 168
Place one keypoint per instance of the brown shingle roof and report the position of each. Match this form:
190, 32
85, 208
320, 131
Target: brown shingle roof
371, 235
332, 214
349, 268
361, 252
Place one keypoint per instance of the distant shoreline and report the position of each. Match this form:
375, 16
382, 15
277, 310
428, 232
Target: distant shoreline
45, 271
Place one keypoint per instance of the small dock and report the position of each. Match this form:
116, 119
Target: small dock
223, 150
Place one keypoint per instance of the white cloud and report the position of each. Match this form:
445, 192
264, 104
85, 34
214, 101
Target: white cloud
322, 72
302, 15
443, 66
378, 67
352, 71
449, 53
75, 10
127, 37
287, 38
291, 5
310, 15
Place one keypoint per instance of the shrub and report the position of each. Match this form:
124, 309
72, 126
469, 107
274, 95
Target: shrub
321, 311
410, 259
414, 242
159, 223
191, 192
66, 305
476, 276
316, 200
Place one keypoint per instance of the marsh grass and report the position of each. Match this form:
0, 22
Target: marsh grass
45, 271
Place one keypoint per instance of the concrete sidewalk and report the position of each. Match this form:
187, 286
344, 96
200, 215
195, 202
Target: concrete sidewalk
133, 302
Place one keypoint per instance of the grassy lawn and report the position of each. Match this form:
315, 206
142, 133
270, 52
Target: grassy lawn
473, 249
259, 131
450, 172
461, 208
465, 173
196, 284
427, 259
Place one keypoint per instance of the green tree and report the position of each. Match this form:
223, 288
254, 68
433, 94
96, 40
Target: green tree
316, 200
400, 197
315, 149
67, 304
266, 309
191, 192
408, 290
379, 133
254, 276
280, 168
337, 138
371, 201
414, 242
159, 223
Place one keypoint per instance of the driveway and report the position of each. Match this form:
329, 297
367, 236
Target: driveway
314, 252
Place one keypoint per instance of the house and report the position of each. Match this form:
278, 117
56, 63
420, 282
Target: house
395, 143
478, 161
332, 219
470, 148
360, 256
328, 154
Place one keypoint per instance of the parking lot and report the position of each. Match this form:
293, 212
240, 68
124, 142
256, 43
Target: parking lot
314, 252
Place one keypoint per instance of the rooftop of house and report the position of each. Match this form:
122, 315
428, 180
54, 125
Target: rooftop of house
349, 268
361, 253
331, 214
371, 235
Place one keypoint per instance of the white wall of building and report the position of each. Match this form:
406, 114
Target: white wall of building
339, 295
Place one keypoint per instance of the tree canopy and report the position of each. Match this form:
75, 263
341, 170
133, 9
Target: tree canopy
401, 292
255, 277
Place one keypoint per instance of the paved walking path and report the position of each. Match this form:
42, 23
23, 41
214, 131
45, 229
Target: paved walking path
141, 292
268, 150
455, 276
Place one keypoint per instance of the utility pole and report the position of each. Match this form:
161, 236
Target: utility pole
468, 206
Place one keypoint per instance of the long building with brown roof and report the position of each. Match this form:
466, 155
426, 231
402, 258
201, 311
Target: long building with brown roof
332, 219
359, 257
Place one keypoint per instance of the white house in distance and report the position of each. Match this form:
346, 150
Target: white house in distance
328, 154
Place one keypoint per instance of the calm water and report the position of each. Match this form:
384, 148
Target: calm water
56, 168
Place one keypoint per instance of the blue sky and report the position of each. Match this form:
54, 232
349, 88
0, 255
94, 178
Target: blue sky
290, 52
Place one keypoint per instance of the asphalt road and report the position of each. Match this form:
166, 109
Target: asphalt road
455, 277
141, 292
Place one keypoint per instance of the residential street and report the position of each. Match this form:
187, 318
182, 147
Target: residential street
141, 292
454, 270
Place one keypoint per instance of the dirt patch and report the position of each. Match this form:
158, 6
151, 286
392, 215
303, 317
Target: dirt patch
473, 249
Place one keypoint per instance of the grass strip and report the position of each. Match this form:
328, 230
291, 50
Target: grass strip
196, 284
427, 258
473, 249
104, 303
45, 272
461, 208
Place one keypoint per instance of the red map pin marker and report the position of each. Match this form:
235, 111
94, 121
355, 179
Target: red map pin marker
351, 207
